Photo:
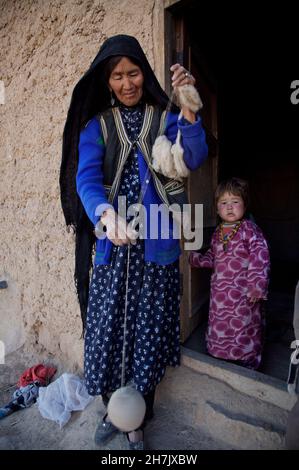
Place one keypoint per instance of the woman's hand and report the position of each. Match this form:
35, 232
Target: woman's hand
181, 77
117, 229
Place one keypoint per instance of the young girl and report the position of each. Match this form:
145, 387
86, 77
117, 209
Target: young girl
239, 258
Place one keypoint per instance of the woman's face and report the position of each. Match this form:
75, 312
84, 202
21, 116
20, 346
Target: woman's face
126, 81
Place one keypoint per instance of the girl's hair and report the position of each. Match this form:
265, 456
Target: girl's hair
235, 186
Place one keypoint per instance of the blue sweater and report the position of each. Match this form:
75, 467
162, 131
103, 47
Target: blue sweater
90, 186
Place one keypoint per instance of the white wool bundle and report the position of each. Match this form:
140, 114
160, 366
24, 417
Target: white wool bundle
126, 409
163, 158
178, 158
188, 96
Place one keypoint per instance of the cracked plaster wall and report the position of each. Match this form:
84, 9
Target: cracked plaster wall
46, 46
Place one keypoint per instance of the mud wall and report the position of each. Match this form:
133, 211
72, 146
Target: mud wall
46, 46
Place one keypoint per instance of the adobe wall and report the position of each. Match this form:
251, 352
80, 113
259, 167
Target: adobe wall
46, 46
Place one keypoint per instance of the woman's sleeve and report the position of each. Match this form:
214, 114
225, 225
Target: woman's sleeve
90, 178
259, 265
193, 139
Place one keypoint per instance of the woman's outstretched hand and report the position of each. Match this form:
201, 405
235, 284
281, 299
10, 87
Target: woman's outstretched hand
117, 230
181, 77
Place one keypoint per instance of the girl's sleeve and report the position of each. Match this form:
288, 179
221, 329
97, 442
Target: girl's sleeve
193, 139
90, 178
197, 260
259, 266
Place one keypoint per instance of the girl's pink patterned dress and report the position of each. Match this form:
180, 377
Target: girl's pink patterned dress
235, 325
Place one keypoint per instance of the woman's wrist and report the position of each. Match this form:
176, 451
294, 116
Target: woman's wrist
188, 114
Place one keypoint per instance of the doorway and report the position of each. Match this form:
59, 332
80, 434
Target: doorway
243, 77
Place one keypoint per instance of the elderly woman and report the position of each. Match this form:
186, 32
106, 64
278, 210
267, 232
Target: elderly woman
116, 114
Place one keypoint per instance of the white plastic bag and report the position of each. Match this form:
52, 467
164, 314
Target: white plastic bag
66, 394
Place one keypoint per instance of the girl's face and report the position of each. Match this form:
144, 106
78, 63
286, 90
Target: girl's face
230, 207
126, 81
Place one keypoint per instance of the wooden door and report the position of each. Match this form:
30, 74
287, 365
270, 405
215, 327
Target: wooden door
202, 183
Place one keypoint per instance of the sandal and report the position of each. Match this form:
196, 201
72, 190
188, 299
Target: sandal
105, 431
138, 445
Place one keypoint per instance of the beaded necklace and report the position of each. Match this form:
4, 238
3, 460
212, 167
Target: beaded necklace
225, 238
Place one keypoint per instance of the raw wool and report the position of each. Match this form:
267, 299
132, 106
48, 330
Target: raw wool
162, 157
178, 158
188, 96
169, 159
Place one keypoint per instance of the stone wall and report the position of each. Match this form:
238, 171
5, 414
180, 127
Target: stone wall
45, 48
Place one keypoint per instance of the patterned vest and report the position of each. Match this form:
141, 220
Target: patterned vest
118, 148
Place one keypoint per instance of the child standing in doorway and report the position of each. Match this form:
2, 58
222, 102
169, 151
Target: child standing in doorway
239, 258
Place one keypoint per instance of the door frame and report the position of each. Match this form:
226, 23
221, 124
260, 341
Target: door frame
177, 48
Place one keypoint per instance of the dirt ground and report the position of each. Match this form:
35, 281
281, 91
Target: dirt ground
192, 412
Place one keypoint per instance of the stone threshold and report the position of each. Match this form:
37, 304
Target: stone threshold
247, 381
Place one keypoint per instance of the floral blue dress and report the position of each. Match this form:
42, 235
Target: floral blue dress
153, 331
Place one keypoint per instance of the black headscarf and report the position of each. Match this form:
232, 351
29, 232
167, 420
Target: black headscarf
91, 95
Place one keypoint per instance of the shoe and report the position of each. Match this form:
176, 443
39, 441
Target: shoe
139, 445
105, 431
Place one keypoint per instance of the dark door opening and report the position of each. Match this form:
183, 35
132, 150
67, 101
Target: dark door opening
250, 66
